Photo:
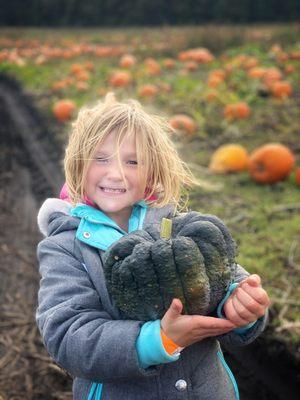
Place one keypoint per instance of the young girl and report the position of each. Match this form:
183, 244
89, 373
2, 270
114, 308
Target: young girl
123, 173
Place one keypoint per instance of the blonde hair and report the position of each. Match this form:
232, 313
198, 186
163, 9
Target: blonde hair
166, 176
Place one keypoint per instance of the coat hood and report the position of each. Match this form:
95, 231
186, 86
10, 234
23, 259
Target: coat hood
54, 217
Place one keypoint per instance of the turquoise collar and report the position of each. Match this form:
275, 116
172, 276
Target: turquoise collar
98, 230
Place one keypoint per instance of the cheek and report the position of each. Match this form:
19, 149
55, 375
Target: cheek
94, 172
139, 181
91, 178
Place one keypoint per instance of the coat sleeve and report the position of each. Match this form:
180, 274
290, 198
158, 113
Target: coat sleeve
77, 332
242, 337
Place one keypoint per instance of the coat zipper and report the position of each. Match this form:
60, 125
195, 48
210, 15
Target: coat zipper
230, 374
95, 391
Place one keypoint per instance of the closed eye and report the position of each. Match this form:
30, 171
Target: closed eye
103, 160
99, 159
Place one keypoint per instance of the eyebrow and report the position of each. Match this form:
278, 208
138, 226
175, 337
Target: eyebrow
103, 154
131, 155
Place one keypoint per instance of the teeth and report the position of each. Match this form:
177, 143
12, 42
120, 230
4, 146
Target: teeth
110, 190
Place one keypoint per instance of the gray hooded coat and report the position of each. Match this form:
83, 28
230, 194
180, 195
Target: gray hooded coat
82, 330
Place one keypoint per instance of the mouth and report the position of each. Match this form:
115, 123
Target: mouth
112, 190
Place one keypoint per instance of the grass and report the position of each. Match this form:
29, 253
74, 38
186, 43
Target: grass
264, 219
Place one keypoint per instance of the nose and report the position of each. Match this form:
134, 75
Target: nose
114, 172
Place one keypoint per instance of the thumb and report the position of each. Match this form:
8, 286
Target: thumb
175, 308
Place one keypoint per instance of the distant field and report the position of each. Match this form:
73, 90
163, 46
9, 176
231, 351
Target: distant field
264, 219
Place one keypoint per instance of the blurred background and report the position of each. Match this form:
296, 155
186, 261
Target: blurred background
141, 12
226, 75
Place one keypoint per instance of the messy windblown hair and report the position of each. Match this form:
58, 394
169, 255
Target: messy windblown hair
165, 178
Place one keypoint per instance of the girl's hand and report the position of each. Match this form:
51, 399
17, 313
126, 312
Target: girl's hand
247, 303
185, 330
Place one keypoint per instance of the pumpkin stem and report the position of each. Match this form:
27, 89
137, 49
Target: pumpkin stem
166, 228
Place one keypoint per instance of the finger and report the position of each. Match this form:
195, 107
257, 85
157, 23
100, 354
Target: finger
243, 312
175, 309
232, 314
257, 293
251, 280
249, 302
254, 280
211, 323
177, 305
213, 332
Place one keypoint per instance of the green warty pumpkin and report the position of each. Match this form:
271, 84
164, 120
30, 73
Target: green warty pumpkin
195, 263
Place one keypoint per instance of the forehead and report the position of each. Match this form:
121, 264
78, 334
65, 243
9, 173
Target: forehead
110, 144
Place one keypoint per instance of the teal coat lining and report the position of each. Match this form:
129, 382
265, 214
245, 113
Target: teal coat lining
98, 230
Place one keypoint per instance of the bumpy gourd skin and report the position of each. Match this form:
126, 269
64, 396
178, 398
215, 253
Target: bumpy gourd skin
190, 265
197, 264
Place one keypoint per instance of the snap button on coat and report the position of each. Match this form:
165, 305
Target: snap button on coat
86, 234
181, 385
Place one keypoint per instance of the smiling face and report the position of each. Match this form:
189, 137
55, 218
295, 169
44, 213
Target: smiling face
104, 182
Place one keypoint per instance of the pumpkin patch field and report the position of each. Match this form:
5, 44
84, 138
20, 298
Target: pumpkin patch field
232, 97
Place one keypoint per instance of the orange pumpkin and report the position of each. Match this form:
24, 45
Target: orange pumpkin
89, 66
82, 75
297, 175
211, 95
165, 87
60, 85
295, 55
153, 68
281, 89
148, 90
256, 72
214, 81
63, 110
120, 78
82, 86
271, 75
218, 72
275, 48
169, 63
76, 68
251, 62
289, 69
200, 55
229, 67
282, 56
229, 158
191, 65
183, 123
127, 61
239, 60
237, 110
271, 163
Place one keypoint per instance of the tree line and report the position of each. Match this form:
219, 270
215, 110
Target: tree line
144, 12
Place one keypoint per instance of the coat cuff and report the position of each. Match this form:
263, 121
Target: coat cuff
150, 348
243, 329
